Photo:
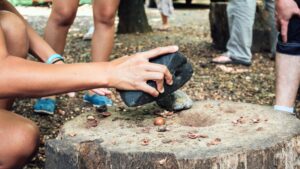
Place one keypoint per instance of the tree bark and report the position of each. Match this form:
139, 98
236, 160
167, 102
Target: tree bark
132, 17
152, 4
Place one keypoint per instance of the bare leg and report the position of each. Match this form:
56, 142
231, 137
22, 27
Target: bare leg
165, 22
19, 140
103, 39
62, 16
19, 136
287, 79
16, 42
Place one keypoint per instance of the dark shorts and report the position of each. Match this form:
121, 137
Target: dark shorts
292, 47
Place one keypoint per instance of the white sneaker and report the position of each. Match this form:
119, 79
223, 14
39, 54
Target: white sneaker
89, 34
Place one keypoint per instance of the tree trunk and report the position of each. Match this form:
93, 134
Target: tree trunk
132, 17
152, 4
213, 134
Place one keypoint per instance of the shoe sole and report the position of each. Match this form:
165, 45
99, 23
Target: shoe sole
43, 112
97, 106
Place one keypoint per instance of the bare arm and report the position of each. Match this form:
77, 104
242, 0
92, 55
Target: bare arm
38, 46
22, 78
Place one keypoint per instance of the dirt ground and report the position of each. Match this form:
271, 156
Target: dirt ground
190, 31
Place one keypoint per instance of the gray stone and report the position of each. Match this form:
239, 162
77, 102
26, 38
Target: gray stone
176, 101
249, 136
179, 67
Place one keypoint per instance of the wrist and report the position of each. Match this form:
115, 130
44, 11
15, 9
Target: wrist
59, 63
54, 58
103, 77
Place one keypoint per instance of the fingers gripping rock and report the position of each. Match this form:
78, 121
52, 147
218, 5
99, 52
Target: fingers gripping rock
181, 71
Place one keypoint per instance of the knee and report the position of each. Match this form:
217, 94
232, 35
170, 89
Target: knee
63, 16
12, 24
105, 17
25, 139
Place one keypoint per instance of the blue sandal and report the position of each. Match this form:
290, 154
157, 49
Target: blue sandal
97, 100
45, 106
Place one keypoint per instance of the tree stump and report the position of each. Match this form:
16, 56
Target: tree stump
213, 134
220, 33
132, 17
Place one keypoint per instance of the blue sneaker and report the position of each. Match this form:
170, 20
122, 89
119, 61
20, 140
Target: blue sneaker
44, 106
97, 100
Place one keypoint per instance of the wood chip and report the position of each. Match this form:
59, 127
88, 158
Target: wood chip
255, 120
162, 161
216, 141
90, 117
72, 134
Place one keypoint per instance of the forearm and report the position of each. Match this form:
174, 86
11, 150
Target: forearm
22, 78
38, 46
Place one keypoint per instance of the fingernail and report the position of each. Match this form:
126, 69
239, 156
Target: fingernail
170, 83
176, 47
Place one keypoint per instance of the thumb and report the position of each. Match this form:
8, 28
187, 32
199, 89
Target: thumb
298, 13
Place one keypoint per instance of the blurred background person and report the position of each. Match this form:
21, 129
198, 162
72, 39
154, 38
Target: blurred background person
241, 16
166, 10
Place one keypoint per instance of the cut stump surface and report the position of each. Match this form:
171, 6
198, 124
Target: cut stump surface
212, 134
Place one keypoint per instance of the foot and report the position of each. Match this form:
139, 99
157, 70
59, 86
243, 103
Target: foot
164, 28
223, 59
177, 101
97, 100
45, 106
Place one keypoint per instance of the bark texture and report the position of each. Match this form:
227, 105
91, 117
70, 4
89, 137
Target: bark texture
132, 17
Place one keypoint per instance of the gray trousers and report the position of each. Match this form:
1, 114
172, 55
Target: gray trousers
241, 15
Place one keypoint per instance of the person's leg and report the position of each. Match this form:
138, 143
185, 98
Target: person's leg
102, 42
241, 15
61, 18
16, 42
287, 80
165, 21
19, 136
19, 140
166, 10
287, 68
103, 39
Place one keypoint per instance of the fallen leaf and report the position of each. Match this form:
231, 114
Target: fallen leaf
91, 123
105, 114
216, 141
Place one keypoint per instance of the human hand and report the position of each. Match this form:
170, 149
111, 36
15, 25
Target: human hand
102, 91
285, 9
132, 72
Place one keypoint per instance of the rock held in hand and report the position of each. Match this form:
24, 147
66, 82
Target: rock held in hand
179, 67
